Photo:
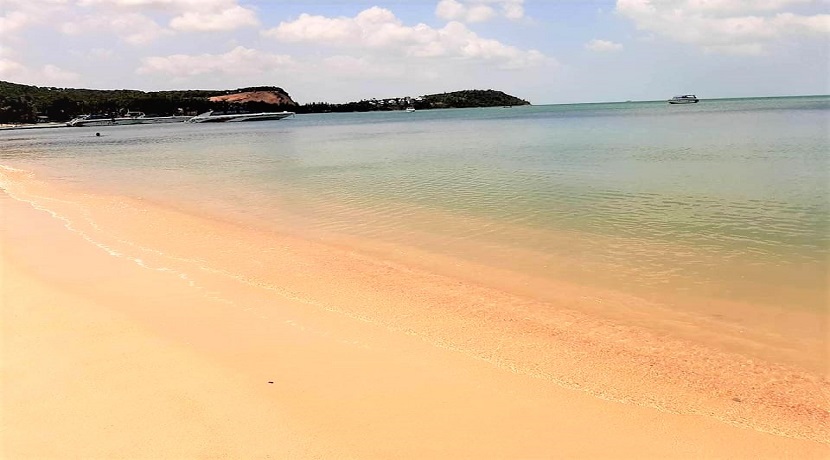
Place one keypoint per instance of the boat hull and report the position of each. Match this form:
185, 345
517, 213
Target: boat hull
684, 99
126, 121
240, 117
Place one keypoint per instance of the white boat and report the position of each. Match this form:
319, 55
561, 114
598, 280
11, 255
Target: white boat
410, 109
132, 118
209, 117
685, 99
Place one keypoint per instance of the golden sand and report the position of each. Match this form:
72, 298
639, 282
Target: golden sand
131, 329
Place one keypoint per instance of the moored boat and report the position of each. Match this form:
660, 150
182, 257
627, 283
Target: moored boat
132, 118
211, 117
685, 99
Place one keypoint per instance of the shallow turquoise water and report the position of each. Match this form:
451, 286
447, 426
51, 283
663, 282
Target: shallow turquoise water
725, 197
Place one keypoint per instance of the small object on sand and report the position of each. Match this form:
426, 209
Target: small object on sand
98, 134
736, 399
270, 382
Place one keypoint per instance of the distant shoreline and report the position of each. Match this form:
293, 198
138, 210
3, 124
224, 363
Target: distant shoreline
29, 104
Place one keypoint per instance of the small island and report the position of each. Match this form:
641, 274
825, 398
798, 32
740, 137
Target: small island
33, 104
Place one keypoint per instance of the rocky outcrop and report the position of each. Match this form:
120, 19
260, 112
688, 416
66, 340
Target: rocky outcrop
268, 97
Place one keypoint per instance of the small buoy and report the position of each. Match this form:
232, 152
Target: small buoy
98, 134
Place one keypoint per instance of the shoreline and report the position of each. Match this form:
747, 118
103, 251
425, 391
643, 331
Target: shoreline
439, 369
32, 126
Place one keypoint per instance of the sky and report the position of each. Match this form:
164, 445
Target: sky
544, 51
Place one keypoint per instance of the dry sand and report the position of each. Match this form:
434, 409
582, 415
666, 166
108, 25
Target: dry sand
134, 331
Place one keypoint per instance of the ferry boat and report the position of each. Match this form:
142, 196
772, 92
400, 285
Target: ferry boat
210, 117
132, 118
685, 99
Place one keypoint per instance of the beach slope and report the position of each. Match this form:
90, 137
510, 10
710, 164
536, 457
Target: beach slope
108, 356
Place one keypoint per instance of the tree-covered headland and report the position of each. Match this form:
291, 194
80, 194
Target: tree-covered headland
30, 104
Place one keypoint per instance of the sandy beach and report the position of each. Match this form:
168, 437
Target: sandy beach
134, 330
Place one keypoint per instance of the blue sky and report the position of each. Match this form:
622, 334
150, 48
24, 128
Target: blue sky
545, 51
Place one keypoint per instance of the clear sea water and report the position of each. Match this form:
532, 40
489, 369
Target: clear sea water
725, 198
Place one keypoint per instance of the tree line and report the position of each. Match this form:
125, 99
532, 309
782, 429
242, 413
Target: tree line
456, 99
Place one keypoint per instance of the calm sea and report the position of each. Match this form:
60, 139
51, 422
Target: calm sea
725, 198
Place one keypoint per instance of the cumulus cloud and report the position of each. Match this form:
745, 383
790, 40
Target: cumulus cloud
12, 68
603, 45
725, 26
238, 61
13, 21
455, 10
187, 15
46, 75
135, 21
378, 30
230, 18
133, 28
16, 15
479, 10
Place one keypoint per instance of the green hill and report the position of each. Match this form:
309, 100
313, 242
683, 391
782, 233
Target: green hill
456, 99
24, 103
470, 98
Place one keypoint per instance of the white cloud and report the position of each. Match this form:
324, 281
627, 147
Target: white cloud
13, 71
17, 15
231, 18
133, 28
56, 75
453, 10
238, 61
378, 30
132, 20
513, 9
725, 26
141, 4
603, 45
479, 10
316, 29
13, 21
47, 75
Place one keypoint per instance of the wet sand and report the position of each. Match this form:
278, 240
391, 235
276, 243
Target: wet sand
132, 329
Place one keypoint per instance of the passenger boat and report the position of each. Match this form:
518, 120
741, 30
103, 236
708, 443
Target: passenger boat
211, 117
685, 99
132, 118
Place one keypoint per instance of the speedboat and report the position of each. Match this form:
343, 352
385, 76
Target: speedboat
685, 99
132, 118
210, 117
410, 109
